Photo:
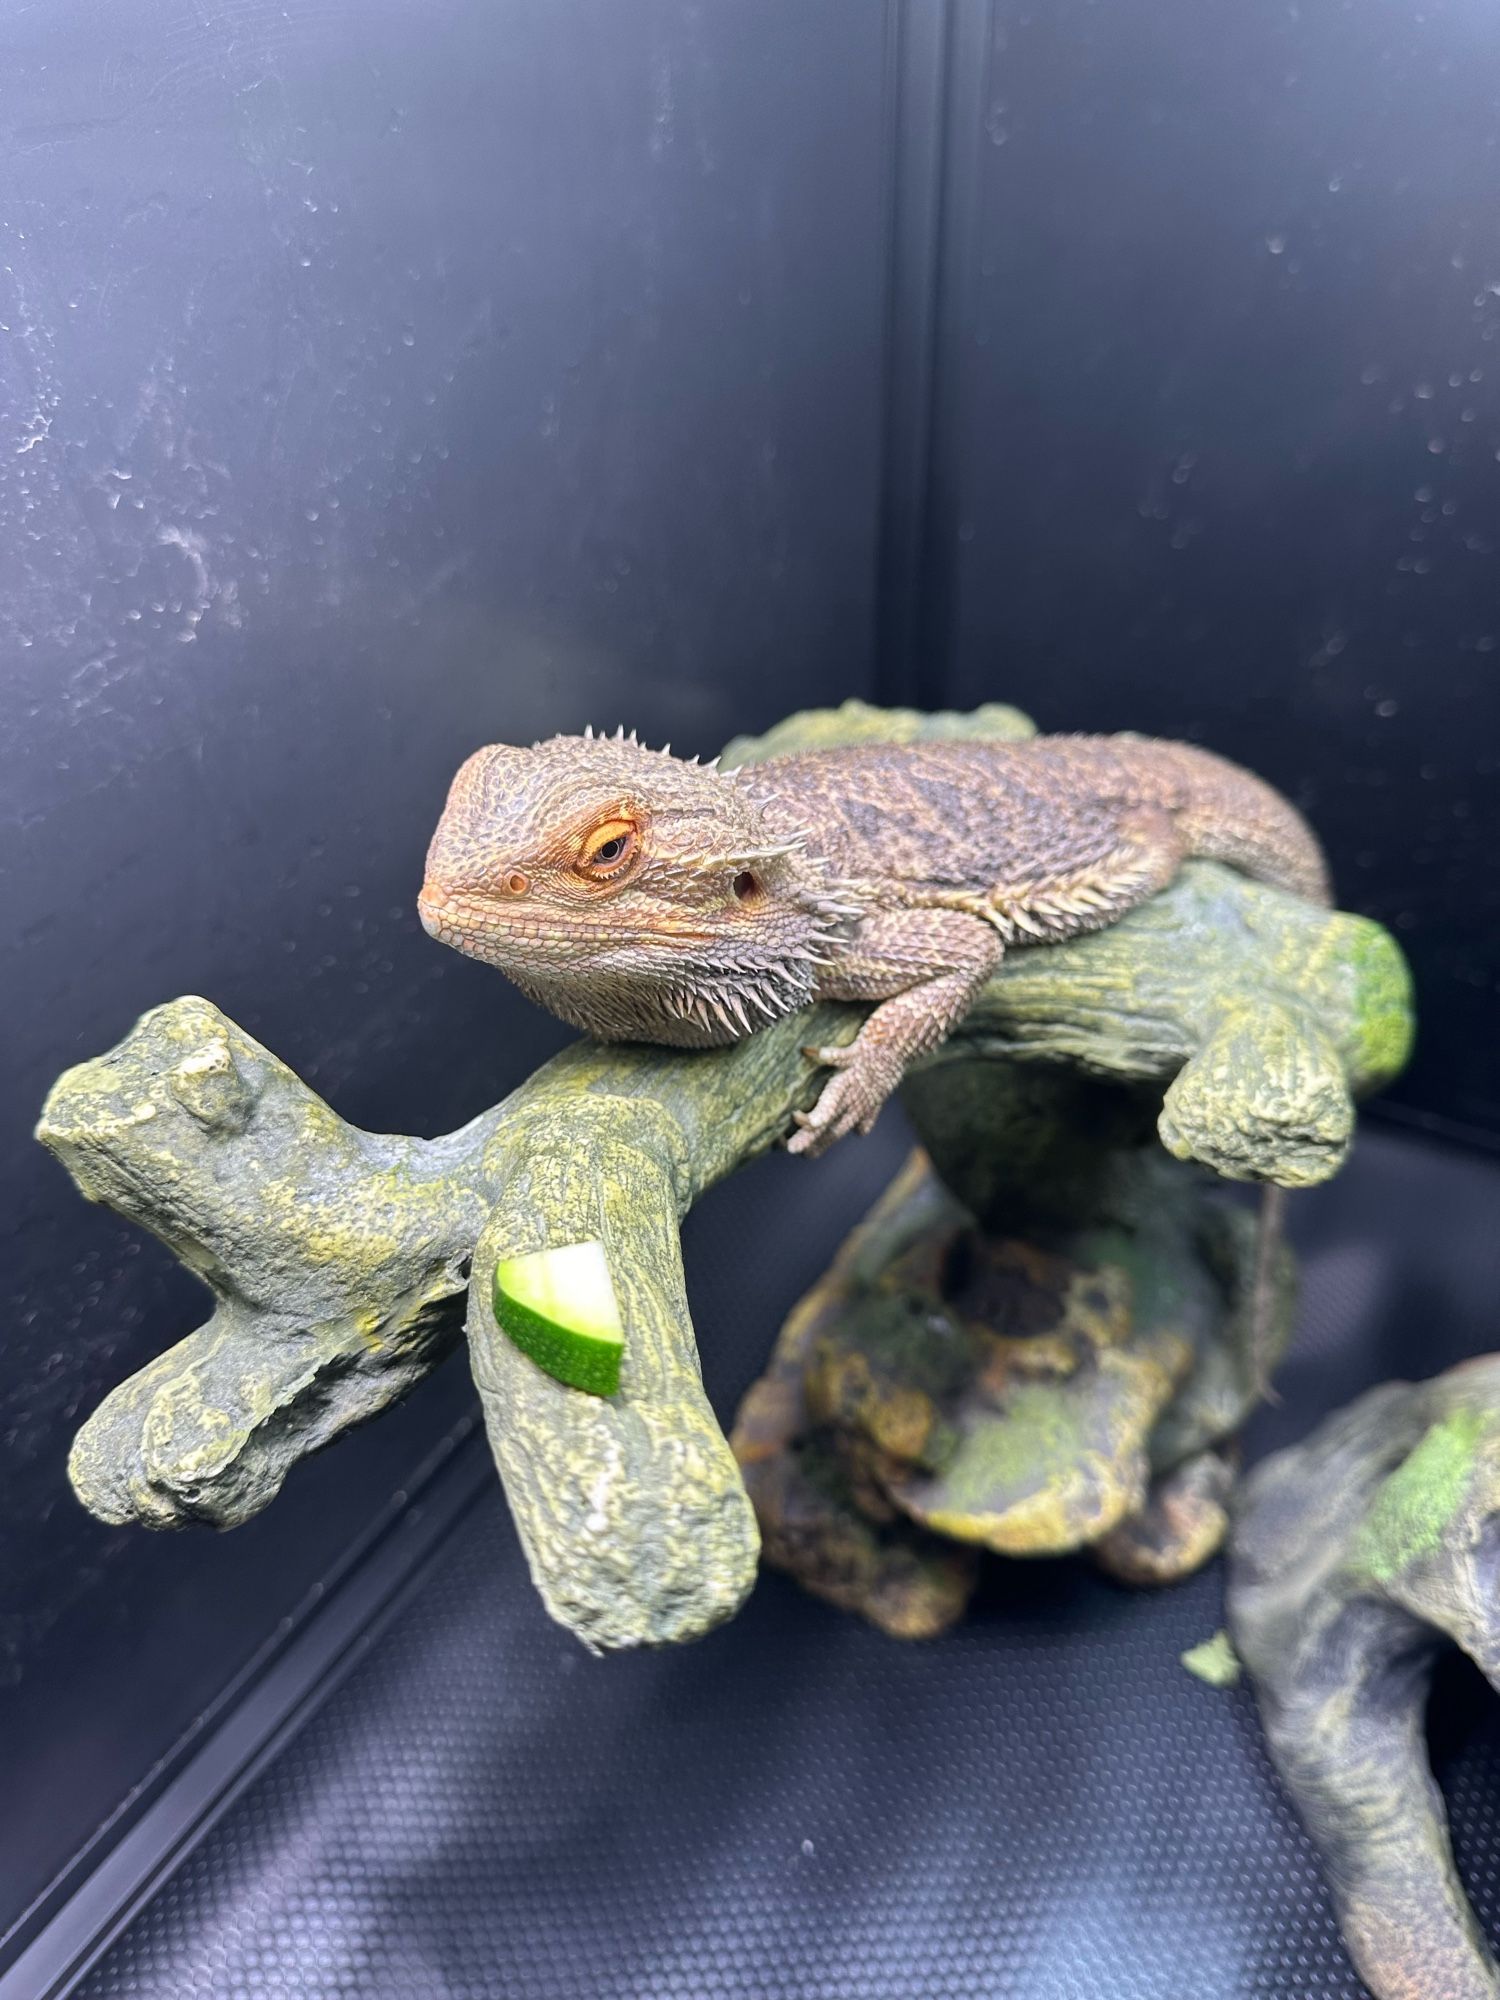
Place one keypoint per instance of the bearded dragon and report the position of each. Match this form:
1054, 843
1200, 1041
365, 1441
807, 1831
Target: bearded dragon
644, 897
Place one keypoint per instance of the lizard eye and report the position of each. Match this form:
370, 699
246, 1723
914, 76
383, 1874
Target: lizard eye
609, 850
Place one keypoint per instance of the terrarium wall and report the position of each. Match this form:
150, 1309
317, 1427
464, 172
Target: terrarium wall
1218, 452
377, 382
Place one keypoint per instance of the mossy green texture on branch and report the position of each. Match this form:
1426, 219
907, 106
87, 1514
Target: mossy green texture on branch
338, 1261
1357, 1558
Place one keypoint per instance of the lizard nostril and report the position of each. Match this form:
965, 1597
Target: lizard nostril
516, 884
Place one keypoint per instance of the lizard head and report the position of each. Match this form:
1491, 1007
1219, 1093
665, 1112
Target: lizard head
639, 896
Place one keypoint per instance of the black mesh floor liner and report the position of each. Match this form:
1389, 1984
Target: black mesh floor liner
1044, 1804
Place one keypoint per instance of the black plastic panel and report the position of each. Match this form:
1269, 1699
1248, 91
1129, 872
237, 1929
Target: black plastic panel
1218, 448
376, 380
1043, 1804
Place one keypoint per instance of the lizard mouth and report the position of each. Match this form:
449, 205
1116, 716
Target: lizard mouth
471, 924
440, 917
483, 926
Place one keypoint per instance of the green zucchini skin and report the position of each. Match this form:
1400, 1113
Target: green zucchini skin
571, 1355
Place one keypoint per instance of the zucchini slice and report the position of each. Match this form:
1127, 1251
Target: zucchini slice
559, 1307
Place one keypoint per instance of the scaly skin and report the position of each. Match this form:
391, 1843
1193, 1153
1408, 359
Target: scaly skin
645, 898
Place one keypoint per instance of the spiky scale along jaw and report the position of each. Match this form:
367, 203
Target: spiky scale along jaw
719, 918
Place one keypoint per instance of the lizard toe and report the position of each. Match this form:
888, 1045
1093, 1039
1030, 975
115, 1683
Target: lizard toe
836, 1055
811, 1137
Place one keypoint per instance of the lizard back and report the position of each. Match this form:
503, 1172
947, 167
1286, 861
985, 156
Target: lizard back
1009, 819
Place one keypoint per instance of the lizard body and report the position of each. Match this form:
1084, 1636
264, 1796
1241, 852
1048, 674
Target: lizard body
645, 898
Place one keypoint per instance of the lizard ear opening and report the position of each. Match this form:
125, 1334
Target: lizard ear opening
747, 888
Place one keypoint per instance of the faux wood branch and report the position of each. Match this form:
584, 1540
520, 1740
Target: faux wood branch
338, 1260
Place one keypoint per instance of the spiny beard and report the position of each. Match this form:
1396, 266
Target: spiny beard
724, 1007
687, 1011
753, 979
739, 984
701, 1002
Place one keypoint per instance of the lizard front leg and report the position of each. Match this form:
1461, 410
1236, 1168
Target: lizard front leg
926, 967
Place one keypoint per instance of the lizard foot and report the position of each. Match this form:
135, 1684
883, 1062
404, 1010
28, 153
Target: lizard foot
851, 1099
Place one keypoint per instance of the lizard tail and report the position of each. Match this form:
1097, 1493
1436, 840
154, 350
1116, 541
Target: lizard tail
1226, 814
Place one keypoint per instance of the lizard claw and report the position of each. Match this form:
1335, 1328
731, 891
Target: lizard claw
850, 1101
805, 1138
837, 1055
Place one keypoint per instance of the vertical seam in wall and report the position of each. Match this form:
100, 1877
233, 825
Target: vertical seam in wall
918, 37
970, 53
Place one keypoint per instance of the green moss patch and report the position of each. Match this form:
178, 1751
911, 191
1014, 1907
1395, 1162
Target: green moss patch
1384, 1025
1414, 1508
